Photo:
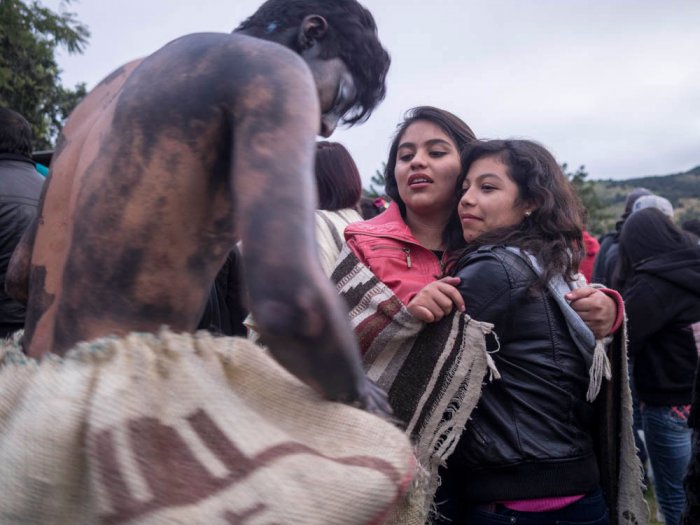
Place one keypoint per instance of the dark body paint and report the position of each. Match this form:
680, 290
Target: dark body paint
163, 167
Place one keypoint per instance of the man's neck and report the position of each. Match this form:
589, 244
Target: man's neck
285, 37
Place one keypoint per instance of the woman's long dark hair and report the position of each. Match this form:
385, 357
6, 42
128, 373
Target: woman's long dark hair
647, 233
456, 129
337, 177
553, 231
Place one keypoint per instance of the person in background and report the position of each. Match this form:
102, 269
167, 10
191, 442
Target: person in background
371, 207
339, 192
692, 226
641, 202
606, 260
592, 247
654, 201
20, 189
691, 483
225, 310
527, 454
660, 282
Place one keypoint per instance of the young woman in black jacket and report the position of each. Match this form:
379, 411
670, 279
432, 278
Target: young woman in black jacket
660, 281
527, 454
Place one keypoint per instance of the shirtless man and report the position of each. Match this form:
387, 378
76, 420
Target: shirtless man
173, 158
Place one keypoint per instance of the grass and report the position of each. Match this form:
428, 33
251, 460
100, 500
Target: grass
651, 501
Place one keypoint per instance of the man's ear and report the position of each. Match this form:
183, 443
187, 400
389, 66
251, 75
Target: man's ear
312, 29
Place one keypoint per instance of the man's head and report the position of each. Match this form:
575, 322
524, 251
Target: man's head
633, 196
654, 201
338, 40
15, 133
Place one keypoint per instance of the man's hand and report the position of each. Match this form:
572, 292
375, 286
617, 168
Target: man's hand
436, 300
596, 309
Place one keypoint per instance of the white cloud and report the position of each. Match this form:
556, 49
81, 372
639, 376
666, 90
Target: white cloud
610, 84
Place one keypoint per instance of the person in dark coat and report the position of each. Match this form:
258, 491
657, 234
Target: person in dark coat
606, 258
225, 309
20, 188
660, 280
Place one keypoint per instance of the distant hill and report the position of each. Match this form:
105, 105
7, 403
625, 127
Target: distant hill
682, 189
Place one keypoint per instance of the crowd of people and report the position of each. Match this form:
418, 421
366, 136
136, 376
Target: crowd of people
489, 230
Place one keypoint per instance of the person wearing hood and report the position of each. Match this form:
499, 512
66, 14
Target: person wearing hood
660, 283
606, 258
20, 189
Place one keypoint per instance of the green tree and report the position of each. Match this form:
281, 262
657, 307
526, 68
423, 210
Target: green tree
585, 189
29, 75
378, 179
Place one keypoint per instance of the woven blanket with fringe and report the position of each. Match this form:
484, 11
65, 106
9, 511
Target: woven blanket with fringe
433, 375
431, 372
186, 428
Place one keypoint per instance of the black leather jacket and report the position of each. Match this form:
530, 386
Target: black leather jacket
530, 435
20, 188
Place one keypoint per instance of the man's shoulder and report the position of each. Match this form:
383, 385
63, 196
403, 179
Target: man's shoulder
230, 50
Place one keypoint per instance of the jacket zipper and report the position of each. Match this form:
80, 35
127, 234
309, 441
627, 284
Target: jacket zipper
406, 251
408, 256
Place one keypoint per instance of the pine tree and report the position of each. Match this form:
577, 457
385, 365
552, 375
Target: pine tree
29, 75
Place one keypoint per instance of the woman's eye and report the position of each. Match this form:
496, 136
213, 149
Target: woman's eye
438, 154
487, 188
406, 157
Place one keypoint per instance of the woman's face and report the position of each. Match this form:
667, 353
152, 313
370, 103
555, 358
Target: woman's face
427, 167
489, 199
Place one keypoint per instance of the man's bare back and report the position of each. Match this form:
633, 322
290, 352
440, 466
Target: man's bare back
161, 169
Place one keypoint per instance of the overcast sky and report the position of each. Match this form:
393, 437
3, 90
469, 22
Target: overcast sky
612, 84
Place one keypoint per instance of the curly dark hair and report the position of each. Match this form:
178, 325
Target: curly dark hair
351, 36
553, 232
337, 177
15, 133
456, 129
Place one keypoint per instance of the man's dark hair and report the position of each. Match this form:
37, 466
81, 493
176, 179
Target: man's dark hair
351, 36
15, 133
337, 178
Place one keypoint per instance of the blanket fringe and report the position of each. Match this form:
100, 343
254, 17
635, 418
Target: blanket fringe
600, 368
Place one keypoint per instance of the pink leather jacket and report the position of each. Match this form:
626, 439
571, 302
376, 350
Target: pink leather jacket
386, 246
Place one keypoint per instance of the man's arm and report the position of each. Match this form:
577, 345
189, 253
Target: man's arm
298, 313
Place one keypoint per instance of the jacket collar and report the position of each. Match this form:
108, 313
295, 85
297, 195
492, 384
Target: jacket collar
390, 223
16, 157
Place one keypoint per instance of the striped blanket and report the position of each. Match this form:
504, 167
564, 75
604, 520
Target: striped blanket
433, 375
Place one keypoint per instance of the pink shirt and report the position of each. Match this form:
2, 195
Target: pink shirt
541, 504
